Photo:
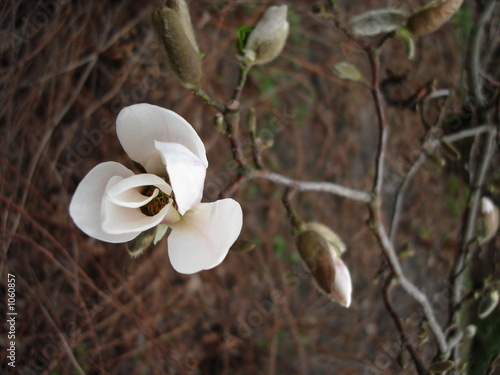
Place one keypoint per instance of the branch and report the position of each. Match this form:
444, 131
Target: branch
400, 195
408, 286
457, 275
376, 214
325, 187
473, 62
244, 69
405, 340
382, 138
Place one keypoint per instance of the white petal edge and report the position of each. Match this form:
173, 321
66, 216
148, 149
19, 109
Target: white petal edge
202, 238
85, 206
127, 192
342, 286
139, 125
186, 174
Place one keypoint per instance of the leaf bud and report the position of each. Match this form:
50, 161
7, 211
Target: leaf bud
377, 21
174, 30
432, 16
268, 38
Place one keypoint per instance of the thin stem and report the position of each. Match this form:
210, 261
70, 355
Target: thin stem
400, 195
473, 58
208, 99
325, 187
382, 123
459, 267
376, 212
244, 69
405, 340
407, 285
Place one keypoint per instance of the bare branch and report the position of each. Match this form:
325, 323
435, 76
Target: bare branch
325, 187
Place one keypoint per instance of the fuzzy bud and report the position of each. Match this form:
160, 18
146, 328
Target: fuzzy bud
329, 272
489, 220
432, 16
268, 38
174, 30
329, 235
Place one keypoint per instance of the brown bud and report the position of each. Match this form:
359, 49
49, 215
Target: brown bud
141, 243
329, 235
432, 16
173, 28
329, 272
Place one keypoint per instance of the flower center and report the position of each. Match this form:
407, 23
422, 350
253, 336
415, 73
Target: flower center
156, 204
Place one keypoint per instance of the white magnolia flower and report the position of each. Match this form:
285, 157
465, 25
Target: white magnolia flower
115, 205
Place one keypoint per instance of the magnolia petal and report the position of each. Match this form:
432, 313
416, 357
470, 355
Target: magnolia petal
202, 238
139, 126
119, 220
128, 192
186, 174
342, 286
85, 206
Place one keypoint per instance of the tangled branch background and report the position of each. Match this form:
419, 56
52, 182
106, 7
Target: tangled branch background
397, 154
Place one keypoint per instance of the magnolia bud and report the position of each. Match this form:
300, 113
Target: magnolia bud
268, 38
432, 16
174, 30
141, 243
489, 220
329, 235
329, 272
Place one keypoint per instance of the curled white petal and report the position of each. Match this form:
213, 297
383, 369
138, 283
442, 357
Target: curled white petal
85, 206
119, 219
186, 173
139, 126
128, 192
202, 238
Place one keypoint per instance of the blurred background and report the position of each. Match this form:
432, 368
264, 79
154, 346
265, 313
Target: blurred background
85, 307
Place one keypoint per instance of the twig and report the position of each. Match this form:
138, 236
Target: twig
458, 272
325, 187
473, 58
207, 99
405, 340
400, 195
408, 286
244, 69
382, 137
376, 214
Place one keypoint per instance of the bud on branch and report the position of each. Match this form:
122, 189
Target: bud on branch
268, 38
174, 30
